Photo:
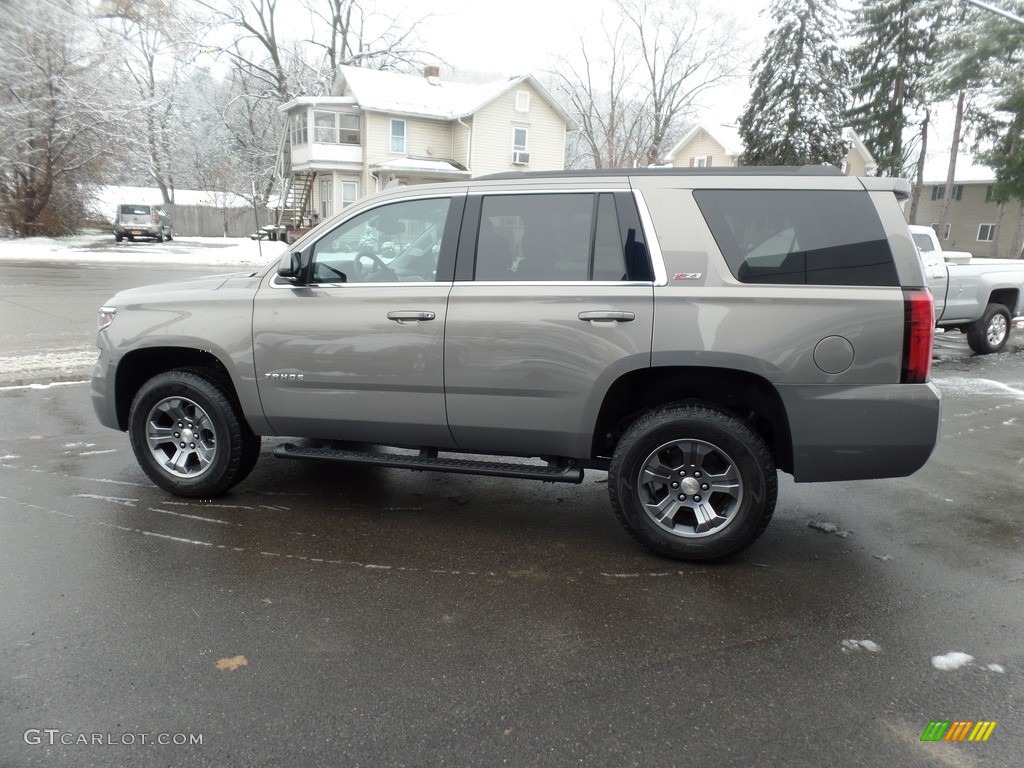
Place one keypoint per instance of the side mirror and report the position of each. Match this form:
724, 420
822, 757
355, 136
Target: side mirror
296, 269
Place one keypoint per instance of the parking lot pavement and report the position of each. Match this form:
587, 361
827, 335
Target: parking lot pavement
324, 616
381, 617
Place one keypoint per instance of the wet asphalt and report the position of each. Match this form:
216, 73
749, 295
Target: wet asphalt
324, 616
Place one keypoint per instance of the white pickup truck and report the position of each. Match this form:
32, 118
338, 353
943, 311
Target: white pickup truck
981, 297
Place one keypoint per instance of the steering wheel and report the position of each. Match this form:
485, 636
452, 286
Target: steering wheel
377, 272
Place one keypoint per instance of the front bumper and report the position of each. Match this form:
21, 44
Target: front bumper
102, 391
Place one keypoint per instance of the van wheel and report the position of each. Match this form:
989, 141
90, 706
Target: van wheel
692, 482
118, 237
991, 332
188, 433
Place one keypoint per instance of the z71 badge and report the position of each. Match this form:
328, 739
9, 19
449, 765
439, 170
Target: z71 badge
688, 276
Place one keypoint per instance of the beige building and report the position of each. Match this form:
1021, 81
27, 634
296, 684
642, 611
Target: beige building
381, 129
710, 144
975, 222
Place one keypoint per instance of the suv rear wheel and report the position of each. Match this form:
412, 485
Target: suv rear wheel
188, 434
692, 482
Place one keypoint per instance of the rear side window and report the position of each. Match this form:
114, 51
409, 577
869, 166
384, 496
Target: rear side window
550, 237
135, 210
813, 237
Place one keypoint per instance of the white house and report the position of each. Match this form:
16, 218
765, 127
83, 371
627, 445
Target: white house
379, 129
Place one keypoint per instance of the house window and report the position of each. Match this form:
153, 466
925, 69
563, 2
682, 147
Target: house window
397, 133
939, 192
520, 153
349, 193
519, 137
522, 101
986, 233
936, 228
990, 192
335, 128
299, 132
326, 198
700, 162
348, 129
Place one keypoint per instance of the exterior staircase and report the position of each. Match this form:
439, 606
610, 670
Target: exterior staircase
296, 188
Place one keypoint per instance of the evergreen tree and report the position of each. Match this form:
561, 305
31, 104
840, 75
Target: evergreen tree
895, 51
800, 89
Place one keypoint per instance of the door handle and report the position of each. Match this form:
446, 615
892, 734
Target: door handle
410, 316
603, 316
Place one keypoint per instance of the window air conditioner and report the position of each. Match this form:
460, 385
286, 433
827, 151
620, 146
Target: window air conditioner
520, 158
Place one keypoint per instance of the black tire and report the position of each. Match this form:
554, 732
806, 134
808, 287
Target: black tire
118, 237
160, 236
188, 433
662, 483
991, 331
168, 236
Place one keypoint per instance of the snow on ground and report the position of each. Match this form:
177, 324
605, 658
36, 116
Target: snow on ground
99, 247
952, 660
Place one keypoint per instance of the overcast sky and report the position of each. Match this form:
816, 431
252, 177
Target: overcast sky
529, 35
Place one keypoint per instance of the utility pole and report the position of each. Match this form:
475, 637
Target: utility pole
994, 9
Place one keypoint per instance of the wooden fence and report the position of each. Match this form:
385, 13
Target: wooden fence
208, 221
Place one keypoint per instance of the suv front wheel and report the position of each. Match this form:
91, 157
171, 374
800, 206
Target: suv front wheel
188, 433
692, 482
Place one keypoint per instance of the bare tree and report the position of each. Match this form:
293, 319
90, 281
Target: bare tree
257, 46
59, 122
598, 92
686, 48
155, 46
632, 92
358, 35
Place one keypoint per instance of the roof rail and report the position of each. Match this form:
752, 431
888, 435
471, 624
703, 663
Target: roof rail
729, 170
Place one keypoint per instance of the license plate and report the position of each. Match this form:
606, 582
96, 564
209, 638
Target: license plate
136, 231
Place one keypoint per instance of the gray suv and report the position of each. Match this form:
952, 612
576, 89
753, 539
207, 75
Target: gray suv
690, 332
134, 220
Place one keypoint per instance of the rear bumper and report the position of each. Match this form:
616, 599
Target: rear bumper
141, 230
857, 433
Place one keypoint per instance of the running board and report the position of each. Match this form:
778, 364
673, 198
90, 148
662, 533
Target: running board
428, 461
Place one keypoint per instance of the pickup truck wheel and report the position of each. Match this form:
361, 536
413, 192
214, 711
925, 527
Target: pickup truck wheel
692, 482
991, 332
188, 434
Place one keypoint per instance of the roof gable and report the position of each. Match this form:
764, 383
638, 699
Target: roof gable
398, 93
725, 135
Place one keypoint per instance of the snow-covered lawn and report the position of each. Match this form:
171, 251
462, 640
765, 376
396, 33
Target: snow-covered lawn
99, 247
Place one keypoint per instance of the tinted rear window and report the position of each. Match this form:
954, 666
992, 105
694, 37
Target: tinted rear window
137, 210
812, 237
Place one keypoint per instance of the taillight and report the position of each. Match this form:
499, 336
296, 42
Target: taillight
155, 217
918, 334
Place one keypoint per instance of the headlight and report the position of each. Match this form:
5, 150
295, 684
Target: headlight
106, 316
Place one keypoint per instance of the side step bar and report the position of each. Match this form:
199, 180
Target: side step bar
428, 461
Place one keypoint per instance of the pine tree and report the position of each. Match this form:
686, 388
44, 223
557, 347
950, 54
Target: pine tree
800, 89
895, 52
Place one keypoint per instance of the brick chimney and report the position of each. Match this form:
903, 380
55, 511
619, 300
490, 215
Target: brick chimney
433, 74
